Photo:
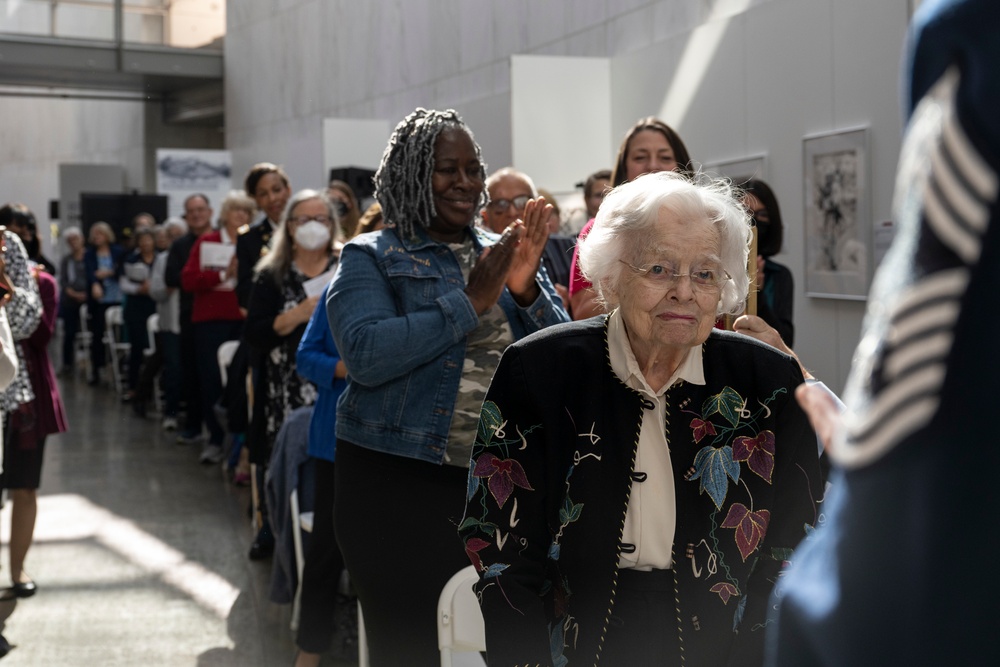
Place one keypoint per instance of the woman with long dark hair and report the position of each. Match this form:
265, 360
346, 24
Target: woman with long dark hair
649, 146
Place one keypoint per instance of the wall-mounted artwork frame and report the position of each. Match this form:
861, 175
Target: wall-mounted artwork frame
837, 215
740, 170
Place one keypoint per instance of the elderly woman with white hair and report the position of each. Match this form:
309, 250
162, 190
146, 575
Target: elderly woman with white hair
638, 479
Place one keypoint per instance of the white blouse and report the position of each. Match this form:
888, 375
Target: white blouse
651, 516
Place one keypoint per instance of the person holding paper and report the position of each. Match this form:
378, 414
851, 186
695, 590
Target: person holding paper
102, 261
210, 275
286, 289
134, 283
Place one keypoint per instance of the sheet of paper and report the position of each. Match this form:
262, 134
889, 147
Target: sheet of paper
137, 272
216, 255
314, 286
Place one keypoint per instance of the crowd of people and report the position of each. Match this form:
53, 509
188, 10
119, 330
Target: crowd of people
469, 385
418, 294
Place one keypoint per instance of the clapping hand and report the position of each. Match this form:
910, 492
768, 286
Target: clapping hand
528, 255
488, 277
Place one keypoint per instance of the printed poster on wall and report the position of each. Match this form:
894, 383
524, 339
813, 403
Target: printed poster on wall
184, 172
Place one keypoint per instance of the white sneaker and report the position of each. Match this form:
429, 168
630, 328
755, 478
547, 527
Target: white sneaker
170, 423
211, 454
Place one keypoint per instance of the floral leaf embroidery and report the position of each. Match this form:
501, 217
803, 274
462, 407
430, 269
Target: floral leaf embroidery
472, 548
490, 420
557, 645
554, 550
702, 428
503, 474
713, 465
569, 512
757, 452
473, 486
727, 403
725, 590
487, 527
750, 527
494, 570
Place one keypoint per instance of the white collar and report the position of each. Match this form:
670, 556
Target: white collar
625, 366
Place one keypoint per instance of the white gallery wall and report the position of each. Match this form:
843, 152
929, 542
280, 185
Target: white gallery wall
42, 133
734, 77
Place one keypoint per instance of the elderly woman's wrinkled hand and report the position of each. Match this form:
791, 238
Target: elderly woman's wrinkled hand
490, 274
528, 255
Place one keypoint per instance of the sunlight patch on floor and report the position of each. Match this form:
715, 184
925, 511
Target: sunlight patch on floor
73, 518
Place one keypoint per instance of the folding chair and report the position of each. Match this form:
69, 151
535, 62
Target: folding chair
460, 624
153, 328
224, 355
118, 351
302, 522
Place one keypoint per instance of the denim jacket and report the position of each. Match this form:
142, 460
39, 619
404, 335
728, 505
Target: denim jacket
400, 319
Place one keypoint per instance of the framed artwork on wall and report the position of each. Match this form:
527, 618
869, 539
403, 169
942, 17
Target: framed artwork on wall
740, 170
837, 215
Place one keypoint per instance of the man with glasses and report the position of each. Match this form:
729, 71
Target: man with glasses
509, 191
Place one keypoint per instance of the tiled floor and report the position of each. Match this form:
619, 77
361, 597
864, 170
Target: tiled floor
140, 554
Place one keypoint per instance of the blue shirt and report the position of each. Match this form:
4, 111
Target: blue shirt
316, 360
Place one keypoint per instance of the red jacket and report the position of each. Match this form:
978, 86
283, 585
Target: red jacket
210, 304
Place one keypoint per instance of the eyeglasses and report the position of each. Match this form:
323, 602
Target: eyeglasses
303, 219
665, 276
501, 205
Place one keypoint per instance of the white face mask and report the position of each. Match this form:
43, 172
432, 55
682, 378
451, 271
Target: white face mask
312, 235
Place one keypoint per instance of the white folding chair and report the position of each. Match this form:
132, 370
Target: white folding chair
225, 355
302, 522
460, 624
118, 350
81, 343
152, 328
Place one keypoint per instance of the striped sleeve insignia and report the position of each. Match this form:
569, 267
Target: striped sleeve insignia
944, 191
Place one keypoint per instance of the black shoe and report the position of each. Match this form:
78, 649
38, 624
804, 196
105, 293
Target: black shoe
263, 545
24, 590
5, 646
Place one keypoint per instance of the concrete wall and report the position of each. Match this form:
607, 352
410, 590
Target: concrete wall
47, 132
735, 77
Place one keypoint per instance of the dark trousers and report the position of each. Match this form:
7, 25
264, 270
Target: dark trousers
190, 386
396, 522
70, 313
95, 315
135, 313
208, 336
165, 362
642, 629
170, 346
321, 574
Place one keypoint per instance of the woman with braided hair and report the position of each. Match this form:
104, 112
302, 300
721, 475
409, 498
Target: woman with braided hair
421, 312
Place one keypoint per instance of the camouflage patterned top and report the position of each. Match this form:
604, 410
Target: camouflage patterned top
483, 348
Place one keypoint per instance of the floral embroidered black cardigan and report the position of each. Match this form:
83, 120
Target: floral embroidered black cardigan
551, 474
